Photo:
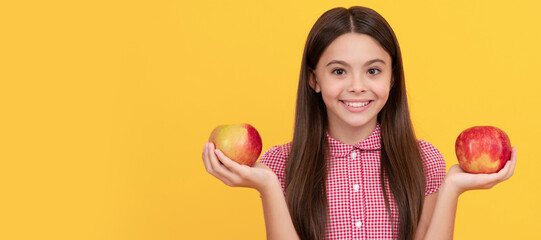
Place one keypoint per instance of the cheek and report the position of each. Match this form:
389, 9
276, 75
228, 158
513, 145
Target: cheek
382, 90
327, 97
331, 90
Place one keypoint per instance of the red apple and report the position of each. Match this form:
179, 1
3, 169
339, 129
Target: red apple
483, 149
239, 142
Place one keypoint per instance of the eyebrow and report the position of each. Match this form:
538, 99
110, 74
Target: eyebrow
345, 64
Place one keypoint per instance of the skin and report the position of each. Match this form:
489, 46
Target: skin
442, 223
358, 81
277, 219
353, 68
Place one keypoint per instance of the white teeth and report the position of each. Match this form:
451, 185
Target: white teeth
356, 104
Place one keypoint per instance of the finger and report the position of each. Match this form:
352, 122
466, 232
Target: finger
506, 171
213, 161
494, 178
512, 162
219, 169
230, 164
241, 171
210, 162
206, 159
227, 182
488, 180
203, 153
500, 176
208, 153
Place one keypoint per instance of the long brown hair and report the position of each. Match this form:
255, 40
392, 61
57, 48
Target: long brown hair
401, 163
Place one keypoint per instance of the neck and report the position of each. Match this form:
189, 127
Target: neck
351, 135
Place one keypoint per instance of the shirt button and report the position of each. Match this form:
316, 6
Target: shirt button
356, 187
358, 224
353, 155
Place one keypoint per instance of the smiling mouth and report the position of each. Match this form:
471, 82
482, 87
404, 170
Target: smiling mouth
356, 104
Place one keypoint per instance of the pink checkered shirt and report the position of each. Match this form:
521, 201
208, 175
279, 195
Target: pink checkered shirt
356, 205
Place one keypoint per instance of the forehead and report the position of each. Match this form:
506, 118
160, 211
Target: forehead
354, 48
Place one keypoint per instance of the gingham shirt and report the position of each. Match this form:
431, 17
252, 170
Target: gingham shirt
355, 200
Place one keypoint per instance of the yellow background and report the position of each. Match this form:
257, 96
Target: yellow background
105, 107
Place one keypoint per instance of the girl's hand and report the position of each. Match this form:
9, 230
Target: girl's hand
259, 177
460, 181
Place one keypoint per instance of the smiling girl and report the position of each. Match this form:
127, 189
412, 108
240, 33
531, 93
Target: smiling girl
354, 169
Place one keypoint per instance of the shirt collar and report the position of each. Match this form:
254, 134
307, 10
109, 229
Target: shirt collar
339, 149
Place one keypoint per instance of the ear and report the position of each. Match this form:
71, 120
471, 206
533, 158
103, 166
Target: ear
312, 80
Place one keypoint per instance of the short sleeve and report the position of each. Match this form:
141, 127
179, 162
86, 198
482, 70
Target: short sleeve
276, 159
434, 166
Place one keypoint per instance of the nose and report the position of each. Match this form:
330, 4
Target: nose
357, 84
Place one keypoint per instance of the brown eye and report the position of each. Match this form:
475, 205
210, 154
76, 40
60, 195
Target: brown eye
373, 71
339, 71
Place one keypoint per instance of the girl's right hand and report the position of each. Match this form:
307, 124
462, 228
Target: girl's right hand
259, 177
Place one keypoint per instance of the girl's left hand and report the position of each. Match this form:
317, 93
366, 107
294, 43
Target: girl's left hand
460, 181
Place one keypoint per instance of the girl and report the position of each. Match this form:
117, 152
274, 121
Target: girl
354, 169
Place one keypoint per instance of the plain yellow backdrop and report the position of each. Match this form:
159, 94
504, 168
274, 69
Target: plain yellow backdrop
106, 105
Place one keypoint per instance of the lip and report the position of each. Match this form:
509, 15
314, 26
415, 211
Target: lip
356, 109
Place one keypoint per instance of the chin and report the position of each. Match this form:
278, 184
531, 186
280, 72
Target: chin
359, 124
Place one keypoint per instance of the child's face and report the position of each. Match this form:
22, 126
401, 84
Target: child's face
354, 78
